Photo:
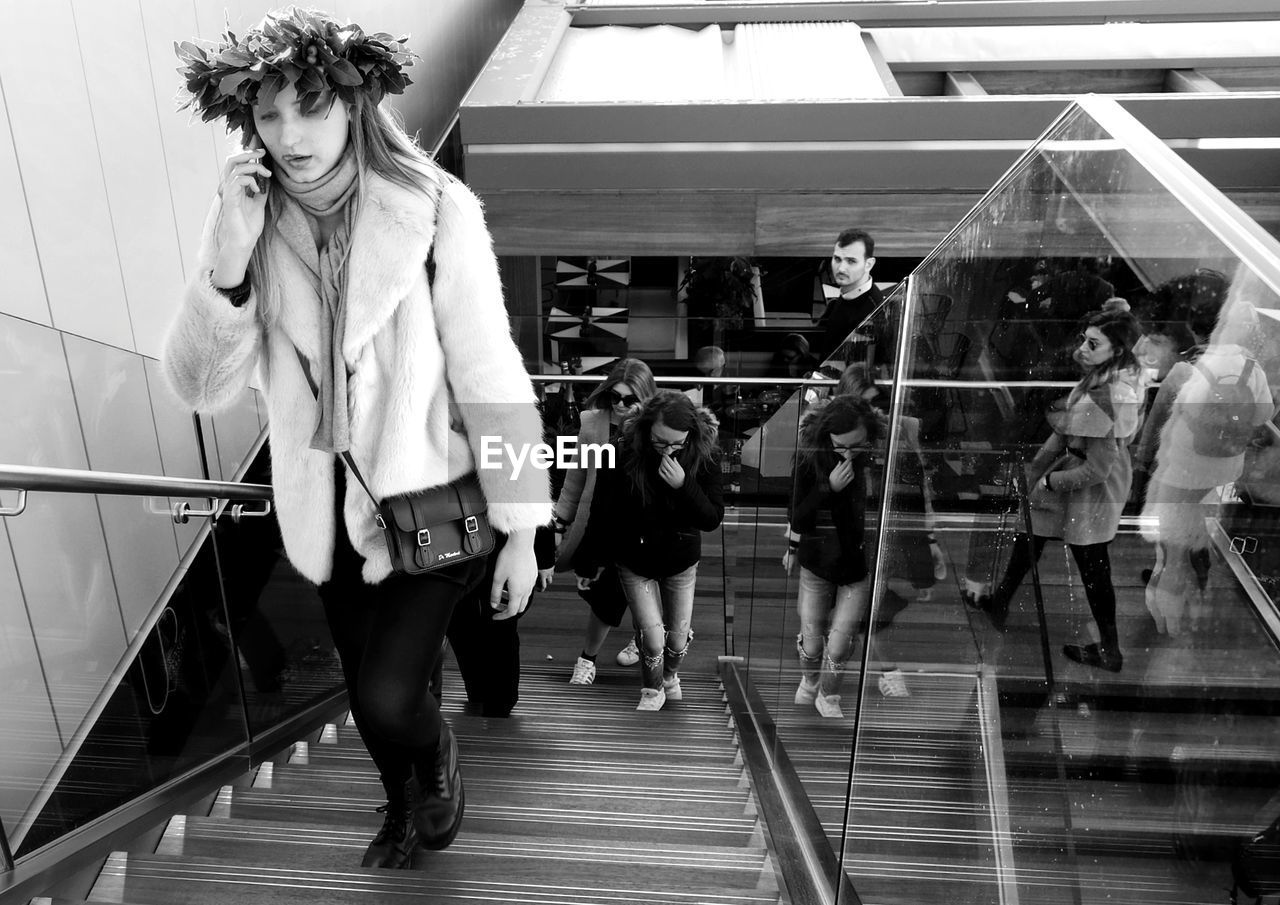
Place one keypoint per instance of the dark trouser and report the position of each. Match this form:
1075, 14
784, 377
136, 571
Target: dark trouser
487, 650
390, 639
1094, 564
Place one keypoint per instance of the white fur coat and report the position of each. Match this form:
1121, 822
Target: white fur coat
411, 350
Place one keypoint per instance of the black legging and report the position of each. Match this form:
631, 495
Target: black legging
1094, 564
390, 639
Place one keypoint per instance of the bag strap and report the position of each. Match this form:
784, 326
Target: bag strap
1241, 379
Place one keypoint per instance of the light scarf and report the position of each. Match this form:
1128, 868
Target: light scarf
298, 226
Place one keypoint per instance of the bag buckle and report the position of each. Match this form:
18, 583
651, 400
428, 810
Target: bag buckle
424, 537
471, 524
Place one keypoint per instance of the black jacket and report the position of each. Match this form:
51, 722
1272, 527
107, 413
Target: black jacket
831, 525
657, 539
843, 316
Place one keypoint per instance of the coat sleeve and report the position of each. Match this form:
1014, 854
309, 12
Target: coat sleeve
494, 395
605, 500
1101, 455
1044, 458
212, 346
702, 497
808, 497
575, 481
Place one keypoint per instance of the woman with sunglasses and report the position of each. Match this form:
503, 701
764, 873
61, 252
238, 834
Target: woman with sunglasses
647, 516
1080, 479
828, 513
628, 384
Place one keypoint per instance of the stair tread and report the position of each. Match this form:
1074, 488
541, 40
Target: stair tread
175, 881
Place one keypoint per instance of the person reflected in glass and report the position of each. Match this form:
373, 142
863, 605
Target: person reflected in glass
828, 516
1079, 480
1177, 319
1219, 398
358, 279
647, 518
628, 384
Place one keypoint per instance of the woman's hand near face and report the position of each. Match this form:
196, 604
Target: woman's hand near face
671, 472
841, 475
243, 215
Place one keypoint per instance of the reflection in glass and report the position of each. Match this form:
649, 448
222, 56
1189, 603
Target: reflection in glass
1099, 723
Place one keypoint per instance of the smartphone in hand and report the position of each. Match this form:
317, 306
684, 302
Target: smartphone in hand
251, 142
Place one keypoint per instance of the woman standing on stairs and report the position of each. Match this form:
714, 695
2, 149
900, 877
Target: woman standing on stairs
1080, 479
628, 384
339, 257
828, 512
647, 518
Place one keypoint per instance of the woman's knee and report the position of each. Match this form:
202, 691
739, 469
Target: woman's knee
839, 645
394, 709
678, 639
652, 636
810, 642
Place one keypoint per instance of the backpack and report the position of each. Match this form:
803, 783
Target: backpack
1222, 425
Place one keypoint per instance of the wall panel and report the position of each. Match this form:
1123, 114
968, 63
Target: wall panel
113, 48
58, 153
23, 295
193, 152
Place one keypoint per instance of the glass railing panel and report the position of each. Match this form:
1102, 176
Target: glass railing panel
130, 715
118, 429
32, 740
1015, 769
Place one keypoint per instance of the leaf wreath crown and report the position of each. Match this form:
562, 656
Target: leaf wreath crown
297, 47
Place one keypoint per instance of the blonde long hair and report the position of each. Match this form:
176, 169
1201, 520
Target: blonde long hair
382, 146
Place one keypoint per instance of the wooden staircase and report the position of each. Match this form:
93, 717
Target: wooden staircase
576, 798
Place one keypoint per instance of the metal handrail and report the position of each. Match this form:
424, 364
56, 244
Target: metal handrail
74, 480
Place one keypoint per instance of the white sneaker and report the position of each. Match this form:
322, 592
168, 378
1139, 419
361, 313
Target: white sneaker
893, 684
828, 705
671, 688
807, 691
629, 655
651, 699
584, 672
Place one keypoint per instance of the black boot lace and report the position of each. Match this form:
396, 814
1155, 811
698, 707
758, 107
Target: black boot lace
393, 826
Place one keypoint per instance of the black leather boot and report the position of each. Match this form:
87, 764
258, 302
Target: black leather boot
436, 798
395, 842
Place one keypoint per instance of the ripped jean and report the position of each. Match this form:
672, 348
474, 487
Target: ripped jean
830, 617
662, 609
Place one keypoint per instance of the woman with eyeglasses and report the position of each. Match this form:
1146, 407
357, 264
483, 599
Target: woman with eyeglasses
628, 384
1080, 479
828, 512
647, 518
